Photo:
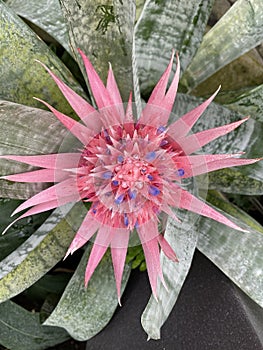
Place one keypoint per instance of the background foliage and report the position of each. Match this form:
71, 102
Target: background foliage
137, 38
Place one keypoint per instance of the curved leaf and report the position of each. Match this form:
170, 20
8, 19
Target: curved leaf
183, 239
238, 254
246, 102
21, 329
21, 77
167, 25
35, 257
25, 130
238, 31
104, 32
84, 312
218, 200
46, 15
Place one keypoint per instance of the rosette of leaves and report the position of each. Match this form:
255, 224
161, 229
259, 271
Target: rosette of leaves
143, 34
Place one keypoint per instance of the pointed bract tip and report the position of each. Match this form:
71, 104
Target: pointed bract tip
119, 301
67, 254
10, 225
155, 297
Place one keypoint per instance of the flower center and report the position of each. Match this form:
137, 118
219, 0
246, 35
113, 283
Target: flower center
132, 173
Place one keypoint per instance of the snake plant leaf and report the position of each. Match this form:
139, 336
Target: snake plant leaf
238, 31
104, 32
246, 102
84, 312
21, 329
167, 25
183, 239
238, 254
44, 249
47, 15
22, 77
25, 130
20, 231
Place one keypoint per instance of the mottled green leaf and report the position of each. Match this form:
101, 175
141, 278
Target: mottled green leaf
139, 7
25, 130
84, 312
21, 329
47, 15
238, 254
218, 200
246, 102
232, 180
20, 231
183, 239
238, 31
104, 32
22, 77
167, 25
44, 249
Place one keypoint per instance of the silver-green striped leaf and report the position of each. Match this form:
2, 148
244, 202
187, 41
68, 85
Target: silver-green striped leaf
238, 31
25, 130
246, 102
183, 239
21, 77
167, 25
44, 249
104, 32
238, 254
84, 312
47, 15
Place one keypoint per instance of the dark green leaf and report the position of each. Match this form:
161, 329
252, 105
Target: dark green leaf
25, 130
46, 15
22, 77
21, 329
44, 249
238, 31
104, 32
20, 231
48, 284
167, 25
84, 312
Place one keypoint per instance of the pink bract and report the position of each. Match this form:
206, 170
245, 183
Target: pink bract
129, 170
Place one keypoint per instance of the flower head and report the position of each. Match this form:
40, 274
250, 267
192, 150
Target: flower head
129, 170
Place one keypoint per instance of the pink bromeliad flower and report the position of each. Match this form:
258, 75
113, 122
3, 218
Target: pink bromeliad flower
129, 170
